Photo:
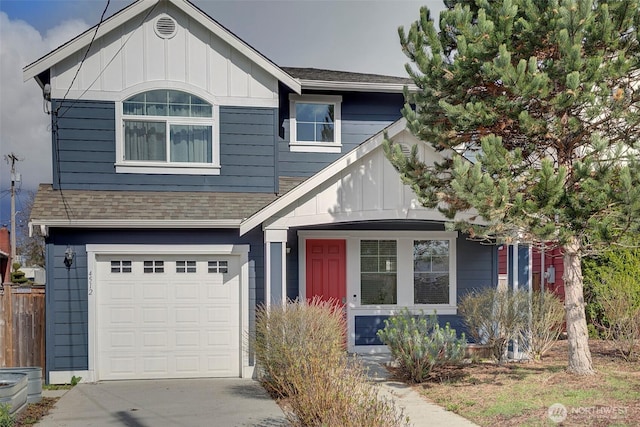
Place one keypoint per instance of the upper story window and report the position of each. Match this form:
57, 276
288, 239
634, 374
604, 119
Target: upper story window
168, 131
315, 123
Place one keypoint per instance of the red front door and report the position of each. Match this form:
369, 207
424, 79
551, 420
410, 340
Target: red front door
326, 269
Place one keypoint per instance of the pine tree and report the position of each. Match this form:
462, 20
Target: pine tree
535, 105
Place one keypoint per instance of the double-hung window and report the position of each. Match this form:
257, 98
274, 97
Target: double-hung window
413, 269
431, 272
315, 123
168, 131
378, 271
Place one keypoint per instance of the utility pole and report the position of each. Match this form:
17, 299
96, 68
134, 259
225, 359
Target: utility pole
12, 158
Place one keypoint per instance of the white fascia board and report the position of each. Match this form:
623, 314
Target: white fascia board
238, 44
357, 86
133, 223
83, 40
322, 176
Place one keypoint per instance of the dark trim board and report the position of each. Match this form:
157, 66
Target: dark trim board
367, 327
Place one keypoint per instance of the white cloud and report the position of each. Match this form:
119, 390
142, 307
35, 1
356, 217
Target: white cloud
24, 126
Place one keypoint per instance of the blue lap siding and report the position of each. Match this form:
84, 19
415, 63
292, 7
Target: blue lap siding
84, 152
67, 330
363, 115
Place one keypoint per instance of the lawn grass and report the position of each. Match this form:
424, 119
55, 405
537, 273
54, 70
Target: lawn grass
521, 393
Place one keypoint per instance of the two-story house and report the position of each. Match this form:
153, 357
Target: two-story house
194, 179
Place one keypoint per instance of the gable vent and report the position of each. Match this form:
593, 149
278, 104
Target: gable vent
166, 27
406, 150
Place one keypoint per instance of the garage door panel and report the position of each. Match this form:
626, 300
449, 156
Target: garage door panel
186, 291
188, 315
121, 366
155, 339
155, 364
220, 339
155, 316
188, 365
218, 363
118, 291
123, 341
220, 292
188, 339
118, 316
222, 315
154, 291
168, 324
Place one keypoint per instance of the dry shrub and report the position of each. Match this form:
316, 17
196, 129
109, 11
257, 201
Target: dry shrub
495, 317
288, 335
547, 315
300, 355
341, 396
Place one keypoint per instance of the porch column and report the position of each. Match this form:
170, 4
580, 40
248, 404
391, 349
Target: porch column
275, 260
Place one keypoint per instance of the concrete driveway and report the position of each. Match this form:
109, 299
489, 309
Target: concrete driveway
147, 403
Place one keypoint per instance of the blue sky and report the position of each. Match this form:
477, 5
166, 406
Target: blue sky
356, 36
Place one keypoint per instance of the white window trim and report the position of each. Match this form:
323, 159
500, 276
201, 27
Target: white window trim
405, 295
404, 271
315, 147
128, 166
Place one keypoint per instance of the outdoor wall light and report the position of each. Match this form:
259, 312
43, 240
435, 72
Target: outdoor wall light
68, 257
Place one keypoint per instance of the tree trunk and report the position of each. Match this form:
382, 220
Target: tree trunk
577, 333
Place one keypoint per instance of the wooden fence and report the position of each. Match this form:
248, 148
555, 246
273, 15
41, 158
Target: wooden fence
22, 326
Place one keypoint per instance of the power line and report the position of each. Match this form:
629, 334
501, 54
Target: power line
86, 53
103, 68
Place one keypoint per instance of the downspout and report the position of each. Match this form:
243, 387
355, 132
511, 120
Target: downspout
516, 285
542, 269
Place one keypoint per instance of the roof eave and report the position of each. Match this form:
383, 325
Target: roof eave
45, 224
357, 86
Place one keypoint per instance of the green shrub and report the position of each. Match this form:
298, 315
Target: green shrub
6, 418
300, 355
418, 343
495, 317
547, 317
17, 275
614, 281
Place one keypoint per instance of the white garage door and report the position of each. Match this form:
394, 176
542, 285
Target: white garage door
168, 316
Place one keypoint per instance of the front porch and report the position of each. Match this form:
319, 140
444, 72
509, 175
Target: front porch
355, 233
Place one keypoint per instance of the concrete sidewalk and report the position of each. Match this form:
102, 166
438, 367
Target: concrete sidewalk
146, 403
420, 411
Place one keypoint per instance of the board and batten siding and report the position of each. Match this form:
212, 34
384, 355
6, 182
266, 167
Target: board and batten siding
133, 55
84, 152
363, 115
67, 329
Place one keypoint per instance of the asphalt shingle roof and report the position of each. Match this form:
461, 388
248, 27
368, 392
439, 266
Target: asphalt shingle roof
343, 76
53, 204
